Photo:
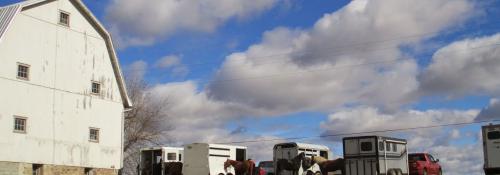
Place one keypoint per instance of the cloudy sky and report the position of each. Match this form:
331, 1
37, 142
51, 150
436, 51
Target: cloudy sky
238, 70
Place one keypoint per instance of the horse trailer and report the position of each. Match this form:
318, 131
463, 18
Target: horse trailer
375, 155
153, 160
289, 151
491, 148
208, 159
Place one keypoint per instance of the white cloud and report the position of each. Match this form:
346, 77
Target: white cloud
367, 119
174, 64
143, 22
168, 61
491, 112
136, 70
281, 75
467, 67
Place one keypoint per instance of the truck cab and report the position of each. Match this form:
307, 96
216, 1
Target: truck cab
491, 148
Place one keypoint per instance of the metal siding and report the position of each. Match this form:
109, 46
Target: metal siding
6, 16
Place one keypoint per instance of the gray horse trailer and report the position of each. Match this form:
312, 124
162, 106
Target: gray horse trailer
375, 155
491, 148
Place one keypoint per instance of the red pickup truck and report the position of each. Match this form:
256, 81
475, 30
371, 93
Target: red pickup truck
424, 164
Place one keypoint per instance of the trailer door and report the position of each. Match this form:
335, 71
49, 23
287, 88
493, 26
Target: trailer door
493, 148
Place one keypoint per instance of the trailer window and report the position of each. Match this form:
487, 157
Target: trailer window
493, 135
394, 147
366, 146
381, 146
171, 156
387, 146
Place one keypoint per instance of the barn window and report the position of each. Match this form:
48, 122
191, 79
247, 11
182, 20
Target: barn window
23, 71
94, 135
20, 124
37, 169
64, 18
96, 87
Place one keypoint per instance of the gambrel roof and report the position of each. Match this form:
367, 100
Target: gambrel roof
8, 14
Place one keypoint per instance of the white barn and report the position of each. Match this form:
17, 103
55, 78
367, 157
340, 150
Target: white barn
61, 89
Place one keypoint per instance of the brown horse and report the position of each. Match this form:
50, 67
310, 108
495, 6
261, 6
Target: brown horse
173, 168
240, 167
292, 165
326, 165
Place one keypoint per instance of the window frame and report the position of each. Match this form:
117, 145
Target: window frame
172, 155
364, 145
493, 135
25, 124
381, 146
19, 65
61, 12
99, 87
98, 135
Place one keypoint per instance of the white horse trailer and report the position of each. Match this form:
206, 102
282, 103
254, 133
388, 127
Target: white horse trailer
208, 159
491, 148
290, 150
375, 155
153, 159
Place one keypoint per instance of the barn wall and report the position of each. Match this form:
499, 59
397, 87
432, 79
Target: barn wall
56, 99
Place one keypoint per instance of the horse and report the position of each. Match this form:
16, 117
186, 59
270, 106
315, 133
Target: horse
326, 165
290, 165
173, 168
240, 167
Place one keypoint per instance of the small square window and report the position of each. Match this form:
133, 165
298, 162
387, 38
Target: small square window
23, 71
64, 18
96, 87
94, 135
381, 146
171, 156
20, 124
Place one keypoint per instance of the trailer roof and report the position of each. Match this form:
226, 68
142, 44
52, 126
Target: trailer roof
304, 145
374, 136
162, 147
219, 145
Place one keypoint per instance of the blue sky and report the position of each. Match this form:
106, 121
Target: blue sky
191, 63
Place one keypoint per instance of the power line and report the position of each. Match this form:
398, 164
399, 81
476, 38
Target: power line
363, 132
212, 82
332, 48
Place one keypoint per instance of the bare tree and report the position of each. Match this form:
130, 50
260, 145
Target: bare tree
145, 124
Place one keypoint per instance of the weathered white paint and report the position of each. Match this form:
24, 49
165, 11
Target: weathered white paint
56, 99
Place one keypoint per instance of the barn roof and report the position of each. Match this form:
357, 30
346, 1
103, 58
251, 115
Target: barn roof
8, 14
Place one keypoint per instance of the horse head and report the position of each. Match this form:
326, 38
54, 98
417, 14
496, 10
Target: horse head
307, 163
227, 163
